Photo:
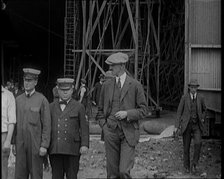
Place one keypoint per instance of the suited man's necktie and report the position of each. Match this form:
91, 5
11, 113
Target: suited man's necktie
193, 98
119, 83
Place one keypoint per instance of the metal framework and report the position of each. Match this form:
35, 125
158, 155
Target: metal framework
140, 28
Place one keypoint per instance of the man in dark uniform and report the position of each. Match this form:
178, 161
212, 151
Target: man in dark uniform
32, 130
70, 132
122, 104
191, 114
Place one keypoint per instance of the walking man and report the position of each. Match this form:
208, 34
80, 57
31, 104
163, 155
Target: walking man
33, 129
191, 114
70, 132
8, 124
122, 104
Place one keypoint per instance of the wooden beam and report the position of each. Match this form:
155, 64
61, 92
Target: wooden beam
96, 21
106, 50
85, 44
158, 52
131, 20
122, 34
119, 24
136, 35
94, 61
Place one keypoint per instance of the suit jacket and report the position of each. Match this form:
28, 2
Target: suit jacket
19, 92
96, 92
184, 113
132, 100
70, 128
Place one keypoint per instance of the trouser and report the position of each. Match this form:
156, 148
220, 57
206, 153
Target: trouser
119, 154
5, 157
64, 165
192, 131
28, 162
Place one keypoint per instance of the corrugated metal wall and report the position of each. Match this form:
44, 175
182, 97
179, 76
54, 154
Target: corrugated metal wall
205, 18
206, 67
204, 35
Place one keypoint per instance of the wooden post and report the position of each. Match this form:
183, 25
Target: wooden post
136, 39
158, 52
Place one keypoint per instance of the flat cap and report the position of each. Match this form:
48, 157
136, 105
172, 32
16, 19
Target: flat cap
65, 83
193, 82
83, 81
30, 73
117, 58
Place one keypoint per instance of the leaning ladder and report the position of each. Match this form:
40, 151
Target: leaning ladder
70, 40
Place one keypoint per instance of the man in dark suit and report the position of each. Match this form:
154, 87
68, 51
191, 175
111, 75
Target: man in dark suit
191, 114
97, 89
17, 91
122, 104
70, 132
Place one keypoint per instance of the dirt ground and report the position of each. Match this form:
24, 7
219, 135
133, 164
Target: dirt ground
156, 158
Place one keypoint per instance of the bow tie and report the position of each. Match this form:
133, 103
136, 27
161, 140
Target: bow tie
63, 102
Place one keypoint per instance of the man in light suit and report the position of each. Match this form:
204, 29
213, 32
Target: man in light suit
122, 104
191, 114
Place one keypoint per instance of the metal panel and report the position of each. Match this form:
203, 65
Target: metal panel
205, 66
205, 21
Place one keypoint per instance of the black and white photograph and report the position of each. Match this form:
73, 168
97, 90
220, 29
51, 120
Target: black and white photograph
115, 89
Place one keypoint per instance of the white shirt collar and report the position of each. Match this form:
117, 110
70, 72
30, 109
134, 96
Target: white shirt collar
67, 100
31, 93
195, 95
122, 78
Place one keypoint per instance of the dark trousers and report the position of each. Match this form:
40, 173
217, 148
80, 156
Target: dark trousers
192, 131
64, 165
28, 162
119, 154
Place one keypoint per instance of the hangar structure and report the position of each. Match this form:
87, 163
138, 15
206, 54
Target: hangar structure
168, 43
151, 32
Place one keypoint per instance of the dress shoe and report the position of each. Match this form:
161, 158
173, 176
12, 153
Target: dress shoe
194, 169
186, 170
